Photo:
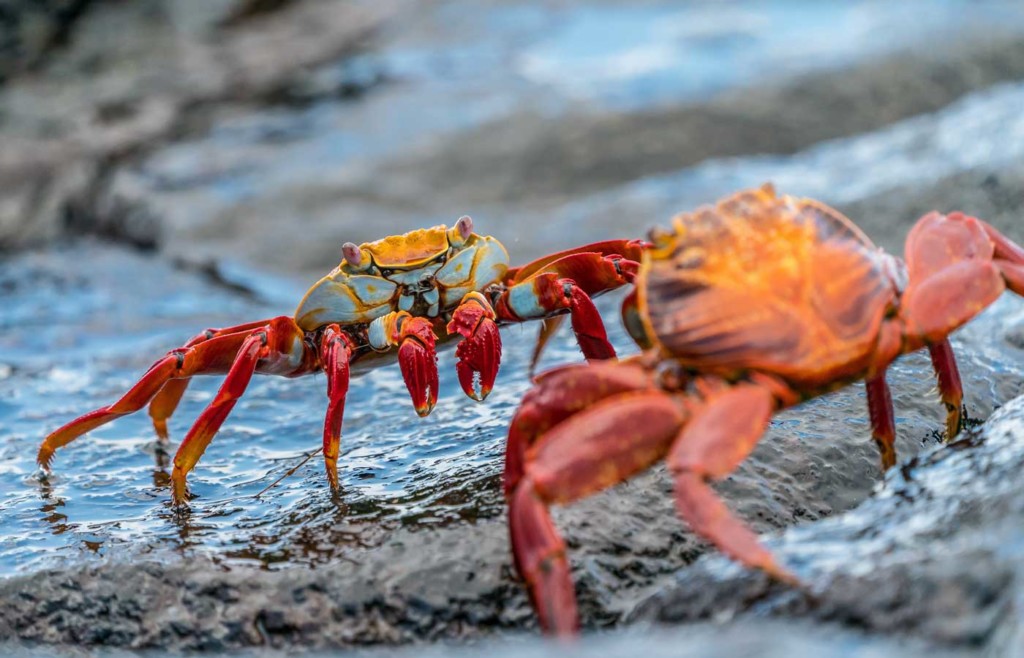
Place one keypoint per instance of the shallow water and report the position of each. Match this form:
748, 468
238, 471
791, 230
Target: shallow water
74, 340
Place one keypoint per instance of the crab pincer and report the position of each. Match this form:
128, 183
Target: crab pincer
479, 353
417, 358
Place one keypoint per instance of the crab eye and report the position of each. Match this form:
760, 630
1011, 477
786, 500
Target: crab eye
465, 226
352, 254
385, 271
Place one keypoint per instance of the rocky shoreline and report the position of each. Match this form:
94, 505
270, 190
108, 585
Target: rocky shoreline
148, 173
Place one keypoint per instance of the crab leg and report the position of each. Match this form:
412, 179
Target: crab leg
278, 342
627, 250
883, 424
211, 356
1009, 258
336, 354
601, 446
566, 282
163, 404
166, 400
479, 353
417, 356
950, 388
558, 394
717, 438
201, 433
548, 294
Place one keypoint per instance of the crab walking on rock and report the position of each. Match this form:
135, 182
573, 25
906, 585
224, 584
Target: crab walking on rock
395, 293
742, 309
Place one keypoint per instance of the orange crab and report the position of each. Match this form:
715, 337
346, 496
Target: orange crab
393, 294
743, 309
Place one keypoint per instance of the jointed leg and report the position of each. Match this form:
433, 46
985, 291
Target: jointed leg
607, 443
136, 398
950, 389
566, 282
557, 395
336, 353
883, 424
546, 295
195, 442
164, 403
211, 356
715, 440
168, 398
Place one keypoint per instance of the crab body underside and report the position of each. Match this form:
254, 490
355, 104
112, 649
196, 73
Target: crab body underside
744, 308
392, 296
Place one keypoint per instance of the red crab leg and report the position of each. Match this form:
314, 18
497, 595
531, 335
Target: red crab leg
951, 276
590, 451
163, 405
957, 265
1009, 258
548, 294
479, 353
717, 438
883, 424
950, 388
279, 340
336, 354
631, 250
558, 394
565, 282
166, 400
212, 356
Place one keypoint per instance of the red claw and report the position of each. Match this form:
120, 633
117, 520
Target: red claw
479, 353
418, 361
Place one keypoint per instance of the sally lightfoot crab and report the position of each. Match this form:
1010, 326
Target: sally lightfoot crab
392, 294
744, 309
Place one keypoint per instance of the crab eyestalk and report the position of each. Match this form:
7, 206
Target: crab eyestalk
479, 353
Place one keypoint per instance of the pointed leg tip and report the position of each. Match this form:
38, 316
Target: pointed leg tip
954, 423
160, 426
44, 458
786, 577
332, 475
179, 489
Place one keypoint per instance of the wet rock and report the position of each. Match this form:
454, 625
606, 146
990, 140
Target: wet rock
932, 555
935, 553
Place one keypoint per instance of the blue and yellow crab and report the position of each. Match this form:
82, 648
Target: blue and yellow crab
392, 293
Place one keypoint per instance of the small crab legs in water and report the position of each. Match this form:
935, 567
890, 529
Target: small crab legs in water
743, 309
398, 293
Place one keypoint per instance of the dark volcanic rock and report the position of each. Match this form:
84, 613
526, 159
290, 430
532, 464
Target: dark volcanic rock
936, 553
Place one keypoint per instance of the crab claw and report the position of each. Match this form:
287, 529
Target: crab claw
418, 361
479, 353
